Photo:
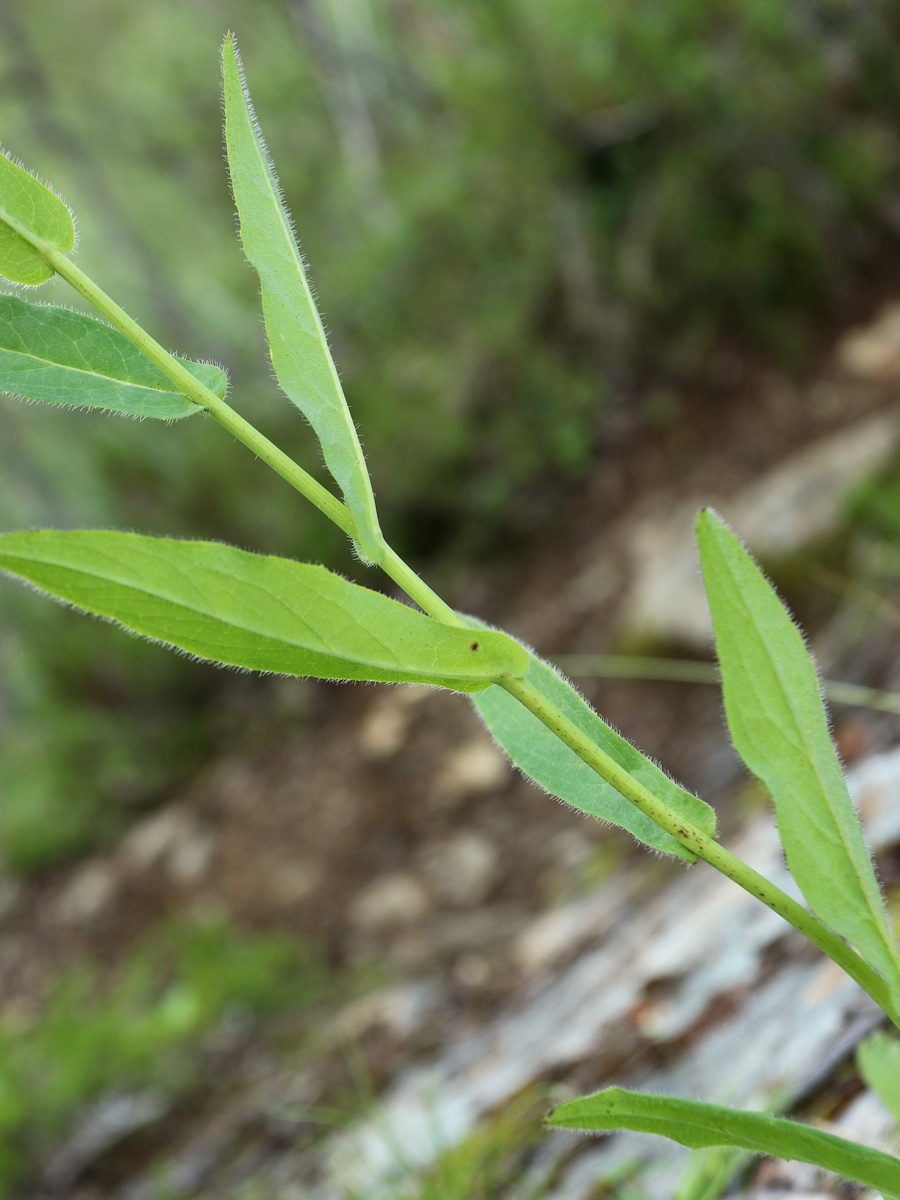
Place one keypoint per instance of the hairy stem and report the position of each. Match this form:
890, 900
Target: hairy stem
191, 387
418, 590
693, 839
699, 843
337, 512
705, 848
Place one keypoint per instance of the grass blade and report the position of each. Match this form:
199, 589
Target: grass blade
247, 610
683, 670
26, 204
778, 723
297, 343
540, 755
64, 357
696, 1125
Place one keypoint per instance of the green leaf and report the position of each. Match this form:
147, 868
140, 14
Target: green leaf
248, 610
553, 766
297, 343
64, 357
778, 723
708, 1172
878, 1059
697, 1125
27, 206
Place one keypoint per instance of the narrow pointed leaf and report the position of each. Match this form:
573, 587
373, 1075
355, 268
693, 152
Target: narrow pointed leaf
64, 357
878, 1059
777, 719
553, 766
297, 343
249, 610
26, 205
696, 1125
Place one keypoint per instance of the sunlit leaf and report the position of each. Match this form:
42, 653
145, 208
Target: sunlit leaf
297, 343
254, 611
694, 1124
778, 723
546, 760
27, 205
63, 357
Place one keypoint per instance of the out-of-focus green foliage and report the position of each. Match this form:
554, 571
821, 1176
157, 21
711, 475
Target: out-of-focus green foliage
89, 735
145, 1032
505, 207
519, 216
875, 505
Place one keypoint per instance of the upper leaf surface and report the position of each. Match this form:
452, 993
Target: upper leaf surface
39, 212
778, 723
553, 766
297, 343
694, 1124
64, 357
249, 610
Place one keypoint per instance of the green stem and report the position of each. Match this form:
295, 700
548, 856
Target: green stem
191, 387
391, 563
705, 848
692, 838
417, 589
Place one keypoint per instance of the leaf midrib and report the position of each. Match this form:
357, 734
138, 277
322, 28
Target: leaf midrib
287, 232
49, 362
436, 671
876, 912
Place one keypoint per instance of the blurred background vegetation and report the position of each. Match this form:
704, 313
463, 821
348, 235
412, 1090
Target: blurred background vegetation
527, 223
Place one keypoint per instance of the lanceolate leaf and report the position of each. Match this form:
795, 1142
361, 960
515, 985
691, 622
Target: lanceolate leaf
553, 766
777, 719
247, 610
64, 357
297, 343
878, 1059
27, 205
696, 1125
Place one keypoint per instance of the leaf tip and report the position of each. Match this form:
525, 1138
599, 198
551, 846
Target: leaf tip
708, 518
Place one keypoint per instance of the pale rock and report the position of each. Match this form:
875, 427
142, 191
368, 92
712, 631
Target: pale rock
111, 1121
173, 839
873, 352
571, 848
392, 900
385, 727
156, 836
292, 882
555, 934
87, 893
792, 1024
474, 768
473, 970
485, 930
797, 502
189, 859
402, 1011
783, 1192
461, 869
